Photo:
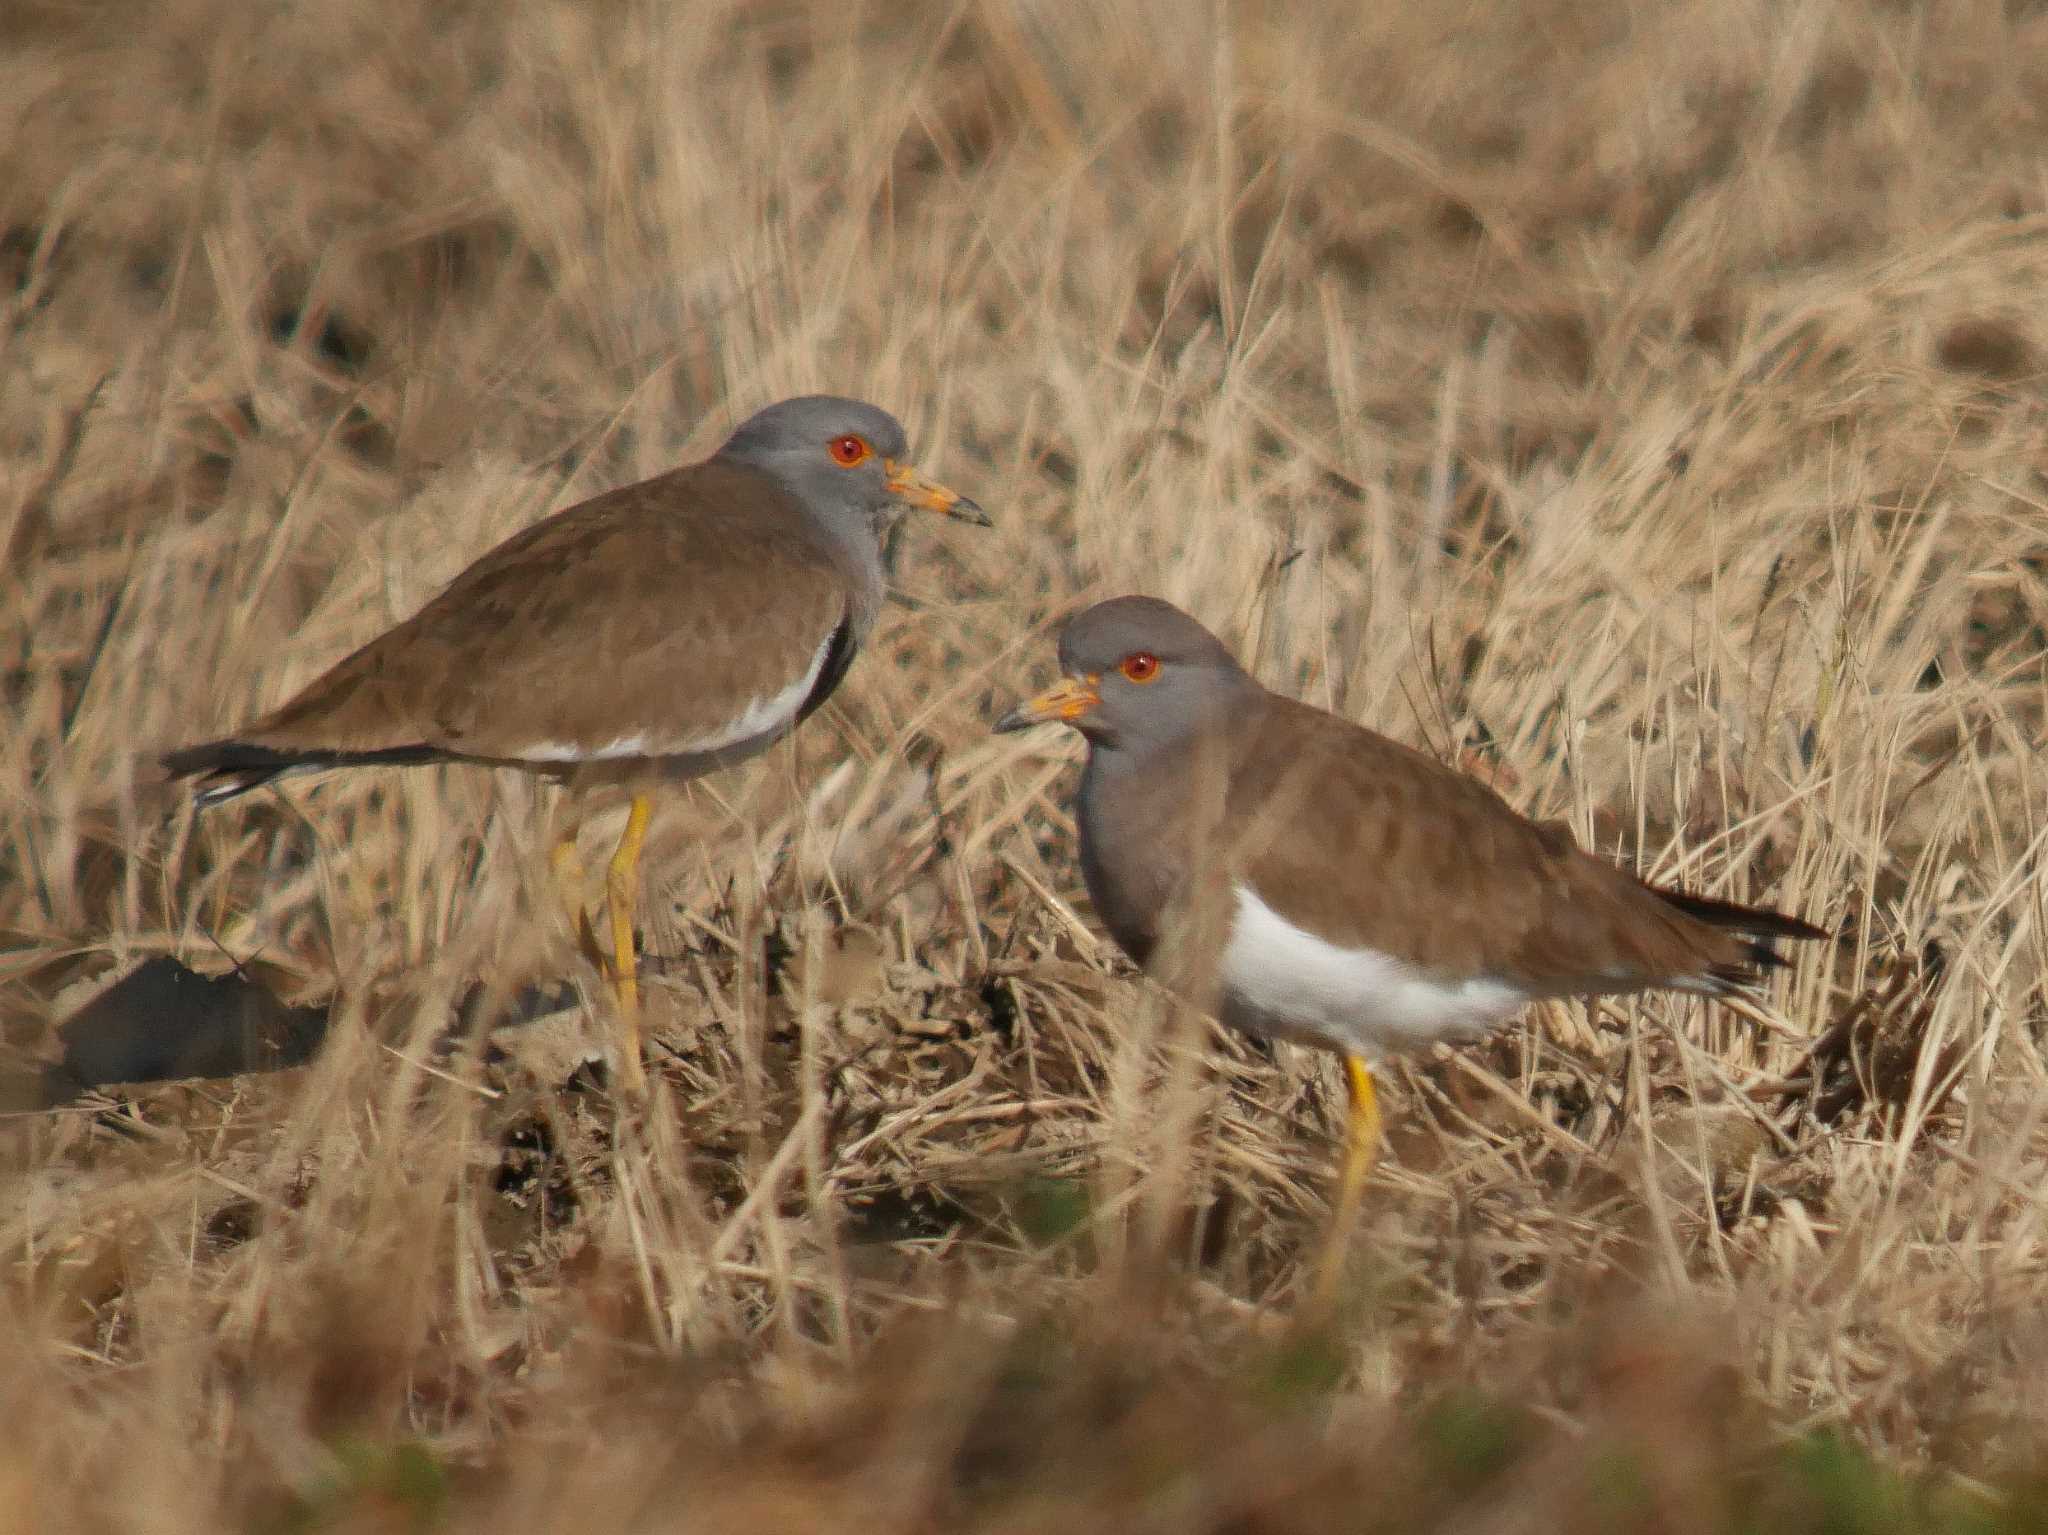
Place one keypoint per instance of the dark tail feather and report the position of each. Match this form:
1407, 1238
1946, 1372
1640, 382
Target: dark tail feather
1754, 921
228, 768
1751, 922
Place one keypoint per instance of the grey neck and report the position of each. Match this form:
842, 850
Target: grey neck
856, 549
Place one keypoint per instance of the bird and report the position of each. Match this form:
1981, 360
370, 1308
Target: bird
1305, 878
652, 633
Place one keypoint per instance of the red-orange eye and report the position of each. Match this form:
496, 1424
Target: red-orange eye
850, 450
1141, 666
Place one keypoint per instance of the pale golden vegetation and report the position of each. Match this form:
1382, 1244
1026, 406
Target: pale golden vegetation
1643, 405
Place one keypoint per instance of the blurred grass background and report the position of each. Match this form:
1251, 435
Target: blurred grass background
1642, 406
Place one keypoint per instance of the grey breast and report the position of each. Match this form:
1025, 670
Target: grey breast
1127, 862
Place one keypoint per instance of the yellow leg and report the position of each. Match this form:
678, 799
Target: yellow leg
568, 866
1361, 1152
620, 886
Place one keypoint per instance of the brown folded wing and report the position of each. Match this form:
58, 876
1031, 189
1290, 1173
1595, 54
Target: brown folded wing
1370, 844
654, 616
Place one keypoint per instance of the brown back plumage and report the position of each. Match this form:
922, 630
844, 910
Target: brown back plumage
1369, 843
622, 607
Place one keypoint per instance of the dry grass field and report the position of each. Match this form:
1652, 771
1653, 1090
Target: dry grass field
1641, 405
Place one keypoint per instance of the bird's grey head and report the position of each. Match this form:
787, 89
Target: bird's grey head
844, 460
1136, 672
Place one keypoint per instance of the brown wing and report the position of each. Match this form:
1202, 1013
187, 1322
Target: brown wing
662, 611
1371, 844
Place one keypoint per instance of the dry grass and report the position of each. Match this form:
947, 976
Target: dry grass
1645, 403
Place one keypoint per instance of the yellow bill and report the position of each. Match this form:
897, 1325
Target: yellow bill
1062, 703
906, 483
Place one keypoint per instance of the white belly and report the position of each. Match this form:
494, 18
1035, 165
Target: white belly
1280, 979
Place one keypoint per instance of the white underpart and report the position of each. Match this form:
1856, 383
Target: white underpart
1359, 999
762, 713
556, 751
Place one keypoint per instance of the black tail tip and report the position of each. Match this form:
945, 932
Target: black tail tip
1750, 921
1764, 955
224, 769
